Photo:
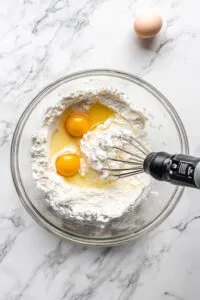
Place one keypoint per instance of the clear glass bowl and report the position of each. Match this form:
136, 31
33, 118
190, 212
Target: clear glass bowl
166, 133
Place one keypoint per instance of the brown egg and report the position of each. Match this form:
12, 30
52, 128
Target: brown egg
147, 25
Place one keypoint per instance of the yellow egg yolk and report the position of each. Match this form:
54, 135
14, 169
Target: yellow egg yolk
61, 138
77, 124
67, 164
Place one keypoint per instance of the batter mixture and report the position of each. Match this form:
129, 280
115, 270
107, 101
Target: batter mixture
71, 150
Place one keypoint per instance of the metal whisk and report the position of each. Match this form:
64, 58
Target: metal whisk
135, 159
178, 169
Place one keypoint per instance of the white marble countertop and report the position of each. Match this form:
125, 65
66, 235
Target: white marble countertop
43, 40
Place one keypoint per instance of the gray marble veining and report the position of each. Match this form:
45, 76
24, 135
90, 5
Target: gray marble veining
43, 40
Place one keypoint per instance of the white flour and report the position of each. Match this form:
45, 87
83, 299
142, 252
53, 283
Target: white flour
73, 202
104, 143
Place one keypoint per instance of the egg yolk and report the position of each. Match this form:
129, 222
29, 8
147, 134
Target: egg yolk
77, 125
68, 164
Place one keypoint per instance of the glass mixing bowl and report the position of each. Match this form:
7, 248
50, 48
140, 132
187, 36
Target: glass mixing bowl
166, 133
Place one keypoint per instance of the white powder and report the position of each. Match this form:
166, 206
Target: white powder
106, 141
70, 201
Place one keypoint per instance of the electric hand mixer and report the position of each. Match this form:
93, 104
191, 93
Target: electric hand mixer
177, 169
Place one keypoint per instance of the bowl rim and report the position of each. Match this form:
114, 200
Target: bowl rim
37, 216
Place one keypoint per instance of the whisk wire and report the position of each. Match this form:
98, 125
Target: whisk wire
128, 152
124, 175
125, 169
141, 147
134, 159
125, 161
138, 140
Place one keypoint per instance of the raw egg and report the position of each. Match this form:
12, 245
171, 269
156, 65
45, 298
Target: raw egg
77, 124
67, 164
147, 25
